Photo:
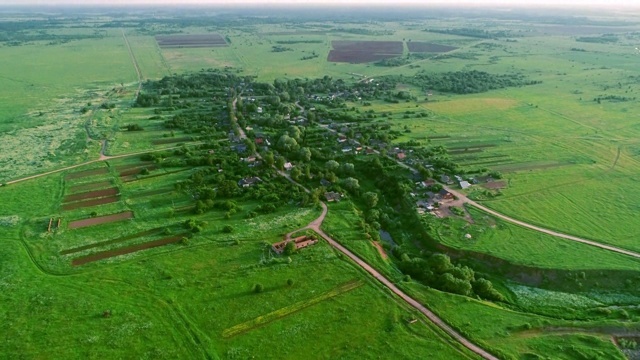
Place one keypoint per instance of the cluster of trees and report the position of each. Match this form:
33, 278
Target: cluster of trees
467, 82
474, 33
438, 272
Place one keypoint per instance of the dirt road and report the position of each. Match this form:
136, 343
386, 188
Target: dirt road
315, 226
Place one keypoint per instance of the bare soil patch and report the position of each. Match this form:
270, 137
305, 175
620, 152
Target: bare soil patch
100, 220
91, 186
494, 185
91, 195
126, 250
191, 41
364, 51
90, 203
425, 47
113, 241
136, 171
86, 173
131, 166
170, 140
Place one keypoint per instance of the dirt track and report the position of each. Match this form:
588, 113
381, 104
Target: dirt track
315, 226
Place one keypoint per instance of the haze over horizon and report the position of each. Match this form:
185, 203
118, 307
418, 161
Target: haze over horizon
519, 3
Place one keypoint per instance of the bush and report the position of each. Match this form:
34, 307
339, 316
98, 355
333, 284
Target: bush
290, 282
258, 288
228, 229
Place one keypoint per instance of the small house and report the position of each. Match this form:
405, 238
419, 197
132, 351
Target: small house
445, 195
249, 181
332, 196
401, 156
288, 166
464, 184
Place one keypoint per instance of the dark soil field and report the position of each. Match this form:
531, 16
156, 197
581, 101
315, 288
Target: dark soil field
379, 47
364, 51
91, 186
100, 220
136, 171
113, 241
170, 140
91, 195
494, 185
126, 250
86, 173
90, 203
131, 166
192, 41
423, 47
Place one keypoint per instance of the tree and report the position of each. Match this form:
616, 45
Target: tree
440, 263
351, 184
347, 169
280, 162
290, 248
332, 165
287, 144
269, 158
304, 154
370, 198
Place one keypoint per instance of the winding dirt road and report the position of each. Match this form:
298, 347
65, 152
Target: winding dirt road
315, 226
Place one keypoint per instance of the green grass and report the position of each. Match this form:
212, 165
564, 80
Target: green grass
522, 246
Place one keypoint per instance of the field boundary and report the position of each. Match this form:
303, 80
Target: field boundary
288, 310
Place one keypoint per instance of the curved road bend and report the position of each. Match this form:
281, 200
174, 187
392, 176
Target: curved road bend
466, 200
315, 226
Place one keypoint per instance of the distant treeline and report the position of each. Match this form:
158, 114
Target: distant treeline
290, 42
465, 82
604, 39
475, 33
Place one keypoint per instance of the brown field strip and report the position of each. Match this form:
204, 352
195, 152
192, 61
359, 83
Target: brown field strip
364, 51
131, 166
90, 203
136, 171
288, 310
86, 173
91, 195
125, 250
170, 140
91, 186
131, 178
100, 220
113, 241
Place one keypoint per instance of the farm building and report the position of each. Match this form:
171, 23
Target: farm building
250, 181
464, 184
446, 195
332, 196
301, 242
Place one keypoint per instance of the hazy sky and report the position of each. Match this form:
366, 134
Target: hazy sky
564, 3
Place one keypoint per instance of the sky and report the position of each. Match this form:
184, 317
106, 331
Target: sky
564, 3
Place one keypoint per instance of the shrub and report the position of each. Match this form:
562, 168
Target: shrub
258, 288
290, 282
228, 229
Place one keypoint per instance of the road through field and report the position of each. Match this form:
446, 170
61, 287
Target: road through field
315, 226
